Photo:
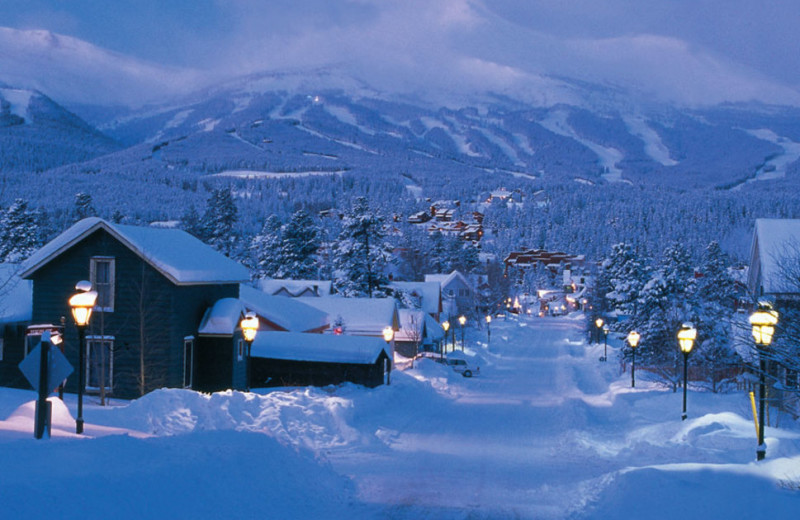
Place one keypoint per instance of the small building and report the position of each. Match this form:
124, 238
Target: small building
296, 359
774, 257
357, 316
16, 308
419, 331
154, 286
458, 295
426, 296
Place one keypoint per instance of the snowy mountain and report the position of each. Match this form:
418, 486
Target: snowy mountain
71, 70
289, 123
37, 134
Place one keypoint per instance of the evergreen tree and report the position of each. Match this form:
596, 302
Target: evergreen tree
714, 310
299, 243
266, 248
20, 234
190, 222
625, 274
84, 207
219, 220
361, 253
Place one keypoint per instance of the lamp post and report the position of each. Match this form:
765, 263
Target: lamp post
81, 305
763, 322
462, 320
686, 337
599, 324
446, 327
605, 342
633, 341
388, 336
249, 325
488, 329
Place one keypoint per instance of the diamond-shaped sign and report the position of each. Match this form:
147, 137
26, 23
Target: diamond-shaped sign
57, 370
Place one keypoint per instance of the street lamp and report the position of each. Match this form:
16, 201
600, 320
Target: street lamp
249, 325
763, 322
81, 304
446, 327
599, 324
686, 337
605, 342
462, 320
488, 329
388, 336
633, 341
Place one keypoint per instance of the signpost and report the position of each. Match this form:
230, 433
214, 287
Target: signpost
45, 368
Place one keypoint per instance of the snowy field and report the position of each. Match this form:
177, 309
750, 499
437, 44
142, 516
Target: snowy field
545, 431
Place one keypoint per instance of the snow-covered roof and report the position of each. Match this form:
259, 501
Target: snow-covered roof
179, 256
16, 295
290, 314
446, 279
222, 318
430, 329
296, 287
429, 291
775, 240
364, 316
321, 348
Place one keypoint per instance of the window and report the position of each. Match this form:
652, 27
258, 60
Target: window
188, 360
791, 378
1, 348
99, 362
240, 345
101, 273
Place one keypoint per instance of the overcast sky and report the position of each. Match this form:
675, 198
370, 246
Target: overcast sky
690, 51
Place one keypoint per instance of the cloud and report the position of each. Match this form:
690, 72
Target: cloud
686, 51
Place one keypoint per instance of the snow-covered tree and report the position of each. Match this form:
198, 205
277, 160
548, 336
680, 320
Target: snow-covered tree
20, 234
219, 220
266, 247
299, 243
625, 274
361, 254
84, 206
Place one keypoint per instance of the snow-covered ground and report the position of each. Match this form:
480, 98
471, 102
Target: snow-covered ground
545, 431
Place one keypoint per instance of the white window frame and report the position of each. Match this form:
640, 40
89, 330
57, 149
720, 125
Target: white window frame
188, 347
110, 260
90, 340
240, 349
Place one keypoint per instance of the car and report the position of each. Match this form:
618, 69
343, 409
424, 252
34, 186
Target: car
461, 366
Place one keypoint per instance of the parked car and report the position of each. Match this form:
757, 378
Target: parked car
461, 366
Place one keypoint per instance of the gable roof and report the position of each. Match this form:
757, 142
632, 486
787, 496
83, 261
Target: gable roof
290, 314
222, 318
179, 256
447, 279
296, 288
16, 304
320, 348
430, 292
364, 316
773, 240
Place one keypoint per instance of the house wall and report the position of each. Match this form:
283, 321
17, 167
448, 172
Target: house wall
281, 372
13, 352
167, 313
461, 294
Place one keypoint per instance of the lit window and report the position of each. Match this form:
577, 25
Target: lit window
101, 273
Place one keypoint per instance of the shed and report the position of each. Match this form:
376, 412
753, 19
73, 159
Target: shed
297, 359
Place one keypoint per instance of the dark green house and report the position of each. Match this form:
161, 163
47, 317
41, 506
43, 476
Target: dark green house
154, 286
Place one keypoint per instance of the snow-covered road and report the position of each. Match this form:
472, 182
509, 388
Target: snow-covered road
545, 431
